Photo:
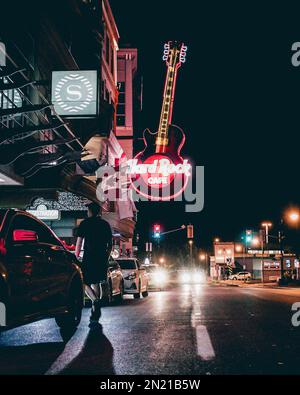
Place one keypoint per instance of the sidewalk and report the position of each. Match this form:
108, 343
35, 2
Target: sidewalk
236, 283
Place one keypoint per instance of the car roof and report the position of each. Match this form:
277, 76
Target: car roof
126, 258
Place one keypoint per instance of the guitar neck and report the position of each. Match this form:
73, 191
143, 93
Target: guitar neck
167, 106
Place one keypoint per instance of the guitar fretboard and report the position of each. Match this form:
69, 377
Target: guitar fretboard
167, 105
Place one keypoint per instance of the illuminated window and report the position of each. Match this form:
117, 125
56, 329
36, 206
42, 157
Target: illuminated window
121, 110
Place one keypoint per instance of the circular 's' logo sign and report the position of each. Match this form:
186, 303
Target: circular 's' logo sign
74, 93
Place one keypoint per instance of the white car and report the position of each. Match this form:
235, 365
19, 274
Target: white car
240, 276
135, 277
157, 276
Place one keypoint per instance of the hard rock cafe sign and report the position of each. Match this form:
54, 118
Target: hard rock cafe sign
158, 172
158, 178
161, 173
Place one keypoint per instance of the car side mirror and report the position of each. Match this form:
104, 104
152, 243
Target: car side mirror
24, 235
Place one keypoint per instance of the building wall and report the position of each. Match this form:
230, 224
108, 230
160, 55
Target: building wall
127, 68
109, 54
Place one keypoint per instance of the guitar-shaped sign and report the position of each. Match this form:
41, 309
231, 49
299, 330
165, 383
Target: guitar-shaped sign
158, 172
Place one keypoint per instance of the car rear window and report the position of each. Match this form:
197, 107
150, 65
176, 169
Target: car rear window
127, 263
2, 214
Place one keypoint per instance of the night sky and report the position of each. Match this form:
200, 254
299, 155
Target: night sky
237, 100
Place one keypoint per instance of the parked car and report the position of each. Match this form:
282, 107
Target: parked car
240, 276
115, 281
157, 276
114, 289
135, 277
39, 278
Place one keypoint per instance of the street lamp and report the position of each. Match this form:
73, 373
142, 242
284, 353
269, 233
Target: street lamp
204, 258
292, 216
216, 240
267, 225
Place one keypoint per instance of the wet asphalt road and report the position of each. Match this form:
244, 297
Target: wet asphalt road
197, 329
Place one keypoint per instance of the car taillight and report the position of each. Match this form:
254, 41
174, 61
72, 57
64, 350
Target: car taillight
2, 247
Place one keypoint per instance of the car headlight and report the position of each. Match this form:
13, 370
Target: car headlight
185, 277
198, 277
160, 276
131, 276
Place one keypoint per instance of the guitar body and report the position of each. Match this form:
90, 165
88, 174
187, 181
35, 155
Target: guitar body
176, 139
167, 174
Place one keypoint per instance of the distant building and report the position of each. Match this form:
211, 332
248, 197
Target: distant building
263, 265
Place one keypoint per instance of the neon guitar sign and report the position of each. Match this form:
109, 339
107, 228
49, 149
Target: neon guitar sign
159, 172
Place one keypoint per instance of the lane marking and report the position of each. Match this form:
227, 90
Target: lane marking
205, 348
71, 351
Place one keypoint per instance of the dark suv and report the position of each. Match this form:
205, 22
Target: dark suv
39, 278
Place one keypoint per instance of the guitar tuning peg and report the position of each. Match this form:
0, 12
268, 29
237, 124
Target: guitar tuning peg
167, 46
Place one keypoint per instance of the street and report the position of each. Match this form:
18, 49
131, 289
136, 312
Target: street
189, 329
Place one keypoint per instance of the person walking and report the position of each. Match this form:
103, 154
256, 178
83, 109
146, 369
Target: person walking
94, 233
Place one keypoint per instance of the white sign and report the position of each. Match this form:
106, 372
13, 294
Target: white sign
43, 213
74, 93
148, 247
2, 54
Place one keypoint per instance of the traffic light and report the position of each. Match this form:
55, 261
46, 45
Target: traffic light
156, 231
249, 236
190, 231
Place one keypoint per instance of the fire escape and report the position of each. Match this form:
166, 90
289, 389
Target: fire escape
35, 142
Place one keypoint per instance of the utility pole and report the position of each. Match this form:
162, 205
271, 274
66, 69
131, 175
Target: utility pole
262, 255
190, 236
191, 251
280, 240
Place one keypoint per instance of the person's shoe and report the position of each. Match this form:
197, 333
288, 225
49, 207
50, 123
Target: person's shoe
94, 324
96, 310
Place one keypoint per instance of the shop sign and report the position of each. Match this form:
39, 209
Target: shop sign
42, 212
75, 93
